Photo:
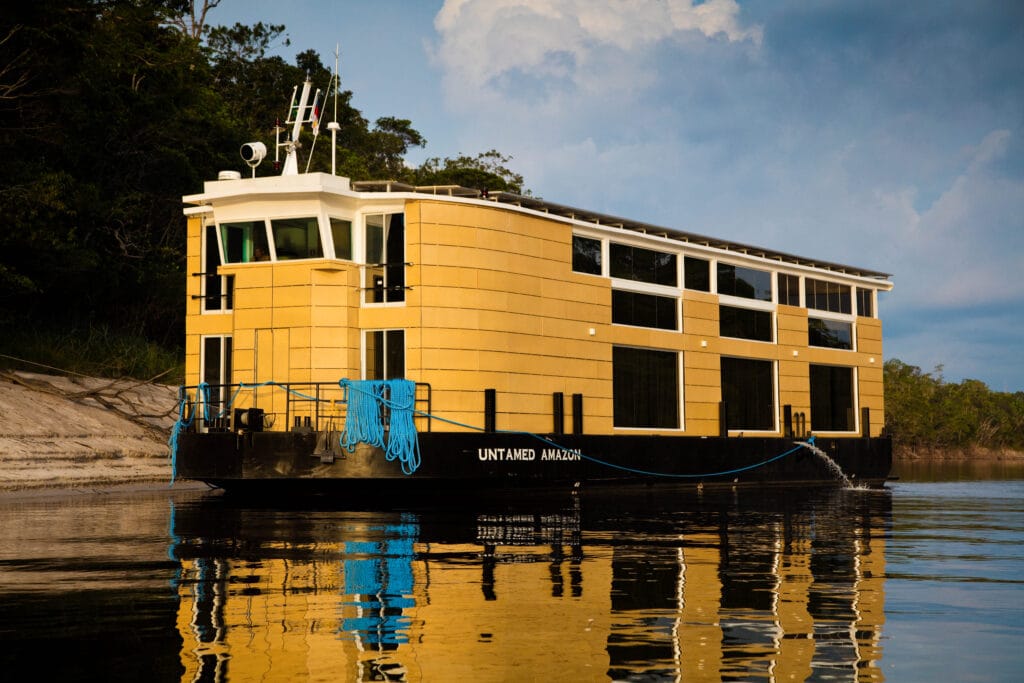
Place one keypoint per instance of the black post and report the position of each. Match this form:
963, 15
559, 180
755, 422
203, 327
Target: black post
577, 414
865, 422
490, 409
558, 412
787, 421
723, 419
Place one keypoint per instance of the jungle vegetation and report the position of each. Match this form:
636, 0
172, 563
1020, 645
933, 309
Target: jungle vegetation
110, 111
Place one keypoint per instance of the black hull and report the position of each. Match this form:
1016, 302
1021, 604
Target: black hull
296, 461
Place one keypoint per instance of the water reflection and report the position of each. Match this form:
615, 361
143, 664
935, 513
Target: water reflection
733, 585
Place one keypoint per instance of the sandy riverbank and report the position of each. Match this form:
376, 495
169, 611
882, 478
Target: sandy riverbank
83, 432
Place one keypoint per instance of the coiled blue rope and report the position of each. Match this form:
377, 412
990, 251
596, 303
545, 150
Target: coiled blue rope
364, 420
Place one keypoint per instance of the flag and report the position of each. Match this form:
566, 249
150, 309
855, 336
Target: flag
315, 113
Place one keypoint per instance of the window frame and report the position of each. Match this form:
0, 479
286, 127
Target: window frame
385, 266
854, 424
774, 410
832, 318
678, 387
386, 339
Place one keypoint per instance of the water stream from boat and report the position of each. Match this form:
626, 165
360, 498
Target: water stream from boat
831, 464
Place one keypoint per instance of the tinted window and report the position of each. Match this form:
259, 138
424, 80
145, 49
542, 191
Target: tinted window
586, 255
832, 398
864, 301
296, 238
789, 290
645, 388
696, 274
745, 282
341, 234
827, 296
643, 310
832, 334
748, 390
744, 323
642, 265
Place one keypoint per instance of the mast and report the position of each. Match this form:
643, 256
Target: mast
297, 115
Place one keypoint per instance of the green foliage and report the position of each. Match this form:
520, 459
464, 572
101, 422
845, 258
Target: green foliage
924, 411
485, 171
110, 111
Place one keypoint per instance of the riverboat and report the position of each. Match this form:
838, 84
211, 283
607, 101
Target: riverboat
374, 336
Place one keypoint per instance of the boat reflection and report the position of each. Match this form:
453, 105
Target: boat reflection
732, 585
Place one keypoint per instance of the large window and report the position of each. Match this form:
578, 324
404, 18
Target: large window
645, 388
832, 334
385, 258
385, 354
827, 296
218, 290
586, 255
832, 399
644, 310
296, 238
745, 323
748, 391
642, 265
696, 274
245, 241
744, 282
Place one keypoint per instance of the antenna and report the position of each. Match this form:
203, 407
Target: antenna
333, 125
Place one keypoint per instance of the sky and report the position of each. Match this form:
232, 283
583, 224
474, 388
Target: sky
884, 135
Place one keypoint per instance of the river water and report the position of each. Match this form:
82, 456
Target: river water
921, 581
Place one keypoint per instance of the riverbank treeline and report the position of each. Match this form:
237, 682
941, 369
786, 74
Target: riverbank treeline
925, 413
110, 111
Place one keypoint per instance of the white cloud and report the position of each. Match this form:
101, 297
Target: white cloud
538, 50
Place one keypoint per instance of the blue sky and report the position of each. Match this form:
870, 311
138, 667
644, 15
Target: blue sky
884, 135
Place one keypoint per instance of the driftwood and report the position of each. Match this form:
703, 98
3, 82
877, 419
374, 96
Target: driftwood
114, 395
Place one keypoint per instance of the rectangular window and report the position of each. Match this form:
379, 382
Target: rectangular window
789, 289
216, 372
644, 310
296, 238
645, 388
385, 354
218, 290
832, 407
864, 302
642, 265
696, 274
748, 391
744, 323
245, 242
341, 235
832, 334
385, 258
745, 282
827, 296
586, 255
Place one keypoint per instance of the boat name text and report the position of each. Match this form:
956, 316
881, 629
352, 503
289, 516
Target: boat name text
495, 454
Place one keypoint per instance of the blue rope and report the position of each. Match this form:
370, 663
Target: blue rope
364, 419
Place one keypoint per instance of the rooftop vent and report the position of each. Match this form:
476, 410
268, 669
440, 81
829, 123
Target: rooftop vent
229, 175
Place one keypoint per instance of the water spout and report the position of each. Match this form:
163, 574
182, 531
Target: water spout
832, 465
